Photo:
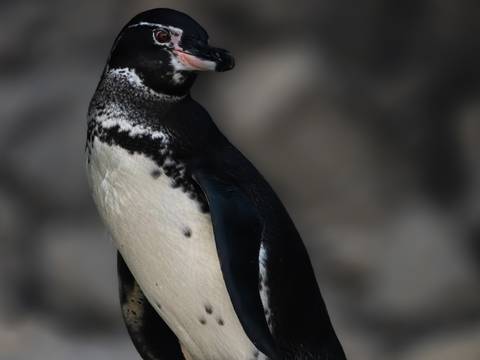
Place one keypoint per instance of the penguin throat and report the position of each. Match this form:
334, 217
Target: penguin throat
123, 102
138, 85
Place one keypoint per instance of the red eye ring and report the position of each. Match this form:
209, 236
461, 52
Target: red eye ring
162, 35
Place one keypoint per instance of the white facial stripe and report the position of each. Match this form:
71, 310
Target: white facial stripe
173, 43
176, 34
172, 29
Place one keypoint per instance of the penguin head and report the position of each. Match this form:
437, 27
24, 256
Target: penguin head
166, 49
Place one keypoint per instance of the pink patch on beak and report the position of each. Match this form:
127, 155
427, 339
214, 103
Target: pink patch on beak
191, 62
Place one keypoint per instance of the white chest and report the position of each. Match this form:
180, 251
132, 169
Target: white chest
168, 245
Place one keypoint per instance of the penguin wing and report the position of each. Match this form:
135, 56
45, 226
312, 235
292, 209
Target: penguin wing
238, 229
152, 338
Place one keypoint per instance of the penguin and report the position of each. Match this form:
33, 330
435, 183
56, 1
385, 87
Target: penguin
210, 264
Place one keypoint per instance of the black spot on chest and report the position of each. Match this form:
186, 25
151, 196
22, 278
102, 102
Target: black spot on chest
187, 232
156, 173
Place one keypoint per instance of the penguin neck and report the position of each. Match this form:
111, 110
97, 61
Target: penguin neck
121, 94
126, 86
124, 111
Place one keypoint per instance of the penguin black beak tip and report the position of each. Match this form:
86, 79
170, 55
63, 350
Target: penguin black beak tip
225, 63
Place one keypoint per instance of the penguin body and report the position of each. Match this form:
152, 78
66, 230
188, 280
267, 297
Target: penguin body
210, 264
166, 237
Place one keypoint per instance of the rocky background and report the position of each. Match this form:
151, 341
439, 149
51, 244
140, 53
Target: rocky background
364, 116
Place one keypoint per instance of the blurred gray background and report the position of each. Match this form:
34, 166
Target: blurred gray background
364, 116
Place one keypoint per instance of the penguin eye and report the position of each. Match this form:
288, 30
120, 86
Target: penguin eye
162, 36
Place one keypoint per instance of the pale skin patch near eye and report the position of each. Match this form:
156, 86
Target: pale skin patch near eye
191, 62
174, 33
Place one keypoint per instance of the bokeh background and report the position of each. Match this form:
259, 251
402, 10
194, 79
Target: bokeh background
364, 116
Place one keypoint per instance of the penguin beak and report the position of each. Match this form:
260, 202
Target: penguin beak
199, 57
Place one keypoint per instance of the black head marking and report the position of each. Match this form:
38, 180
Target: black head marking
202, 320
166, 48
220, 322
208, 309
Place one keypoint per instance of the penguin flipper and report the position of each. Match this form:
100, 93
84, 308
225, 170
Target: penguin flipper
238, 233
151, 336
